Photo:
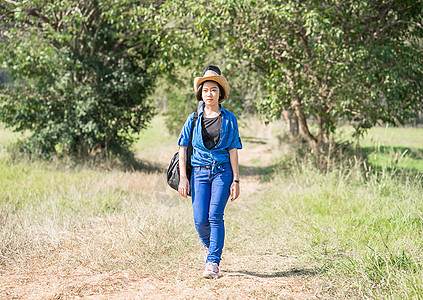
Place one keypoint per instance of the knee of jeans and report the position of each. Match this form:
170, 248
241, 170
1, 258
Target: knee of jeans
215, 219
216, 214
202, 223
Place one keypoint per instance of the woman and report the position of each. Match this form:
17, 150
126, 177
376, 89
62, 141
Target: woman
215, 171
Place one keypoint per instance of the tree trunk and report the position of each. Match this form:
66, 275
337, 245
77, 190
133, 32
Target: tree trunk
302, 125
323, 135
291, 122
313, 142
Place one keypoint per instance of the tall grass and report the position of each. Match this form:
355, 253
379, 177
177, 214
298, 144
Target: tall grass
98, 217
95, 219
361, 229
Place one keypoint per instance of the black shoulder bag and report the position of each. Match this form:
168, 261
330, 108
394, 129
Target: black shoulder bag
173, 169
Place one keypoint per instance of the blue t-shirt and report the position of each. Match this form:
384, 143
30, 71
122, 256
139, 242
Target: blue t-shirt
229, 139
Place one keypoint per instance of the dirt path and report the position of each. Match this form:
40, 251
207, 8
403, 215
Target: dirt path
242, 277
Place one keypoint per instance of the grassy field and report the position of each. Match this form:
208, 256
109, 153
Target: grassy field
393, 148
71, 230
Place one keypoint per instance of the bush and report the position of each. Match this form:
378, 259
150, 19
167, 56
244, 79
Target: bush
81, 73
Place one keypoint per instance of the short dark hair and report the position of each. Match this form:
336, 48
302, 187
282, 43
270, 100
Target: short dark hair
199, 92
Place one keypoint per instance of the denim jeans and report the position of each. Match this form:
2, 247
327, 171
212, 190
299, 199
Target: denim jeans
210, 189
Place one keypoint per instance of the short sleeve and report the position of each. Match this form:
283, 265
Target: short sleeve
183, 139
236, 140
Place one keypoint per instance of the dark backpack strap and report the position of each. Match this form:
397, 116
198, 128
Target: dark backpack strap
189, 152
194, 120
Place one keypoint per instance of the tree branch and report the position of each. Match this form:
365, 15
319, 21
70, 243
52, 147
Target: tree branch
99, 26
11, 2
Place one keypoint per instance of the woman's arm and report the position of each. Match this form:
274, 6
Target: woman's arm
235, 190
183, 179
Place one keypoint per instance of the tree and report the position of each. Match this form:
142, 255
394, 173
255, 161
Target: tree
82, 71
354, 60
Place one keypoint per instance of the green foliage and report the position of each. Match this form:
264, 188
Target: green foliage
354, 60
175, 95
179, 106
82, 72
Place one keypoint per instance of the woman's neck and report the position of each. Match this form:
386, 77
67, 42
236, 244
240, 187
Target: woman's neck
211, 111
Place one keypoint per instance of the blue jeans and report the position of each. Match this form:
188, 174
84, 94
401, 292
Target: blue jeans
210, 189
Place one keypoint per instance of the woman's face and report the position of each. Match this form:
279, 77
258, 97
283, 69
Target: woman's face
210, 93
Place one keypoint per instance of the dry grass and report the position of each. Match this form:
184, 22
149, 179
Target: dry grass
69, 232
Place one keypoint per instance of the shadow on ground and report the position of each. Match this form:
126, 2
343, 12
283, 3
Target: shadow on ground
265, 172
410, 152
253, 140
290, 273
131, 163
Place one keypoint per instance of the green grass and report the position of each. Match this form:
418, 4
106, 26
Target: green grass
155, 135
113, 214
7, 137
363, 234
394, 137
359, 228
395, 148
391, 148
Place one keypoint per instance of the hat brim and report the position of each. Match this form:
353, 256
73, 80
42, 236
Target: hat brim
216, 78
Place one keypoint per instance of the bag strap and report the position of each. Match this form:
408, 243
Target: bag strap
189, 151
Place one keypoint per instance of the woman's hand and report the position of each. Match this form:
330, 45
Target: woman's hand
234, 191
184, 187
233, 156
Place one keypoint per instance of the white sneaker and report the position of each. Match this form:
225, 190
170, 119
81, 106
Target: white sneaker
211, 270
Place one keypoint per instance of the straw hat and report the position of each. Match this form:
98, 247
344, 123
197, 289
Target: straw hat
212, 73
